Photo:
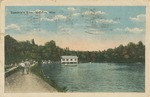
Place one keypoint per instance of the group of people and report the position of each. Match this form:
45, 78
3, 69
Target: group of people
25, 66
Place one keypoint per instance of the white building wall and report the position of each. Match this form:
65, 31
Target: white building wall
69, 60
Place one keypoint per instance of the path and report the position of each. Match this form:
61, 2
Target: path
29, 83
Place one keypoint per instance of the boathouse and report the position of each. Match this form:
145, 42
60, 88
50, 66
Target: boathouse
69, 59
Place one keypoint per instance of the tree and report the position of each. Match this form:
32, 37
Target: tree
11, 49
16, 51
32, 41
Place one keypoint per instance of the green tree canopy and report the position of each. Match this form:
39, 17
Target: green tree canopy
16, 51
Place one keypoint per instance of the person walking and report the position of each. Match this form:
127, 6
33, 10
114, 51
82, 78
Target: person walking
27, 66
22, 64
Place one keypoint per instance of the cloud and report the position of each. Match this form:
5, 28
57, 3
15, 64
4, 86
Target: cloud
13, 26
106, 21
59, 17
138, 18
134, 30
93, 13
89, 32
93, 31
118, 30
71, 9
127, 29
46, 19
56, 17
76, 14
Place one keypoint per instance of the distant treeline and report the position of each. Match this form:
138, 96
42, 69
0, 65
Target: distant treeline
16, 51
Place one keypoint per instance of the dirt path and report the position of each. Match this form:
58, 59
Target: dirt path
29, 83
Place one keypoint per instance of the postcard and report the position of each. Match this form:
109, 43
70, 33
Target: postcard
75, 48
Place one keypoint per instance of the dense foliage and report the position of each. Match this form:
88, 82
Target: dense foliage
16, 51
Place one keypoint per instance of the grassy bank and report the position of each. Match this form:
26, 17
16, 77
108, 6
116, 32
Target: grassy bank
36, 69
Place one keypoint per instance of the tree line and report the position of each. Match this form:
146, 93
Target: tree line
16, 51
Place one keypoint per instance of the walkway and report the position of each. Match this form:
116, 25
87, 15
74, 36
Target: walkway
29, 83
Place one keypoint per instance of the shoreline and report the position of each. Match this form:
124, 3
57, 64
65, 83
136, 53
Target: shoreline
36, 69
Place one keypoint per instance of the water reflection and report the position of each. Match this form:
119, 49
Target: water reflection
98, 77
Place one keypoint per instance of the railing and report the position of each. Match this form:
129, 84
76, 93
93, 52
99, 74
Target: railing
11, 70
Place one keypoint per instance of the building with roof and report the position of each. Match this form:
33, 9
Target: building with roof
69, 59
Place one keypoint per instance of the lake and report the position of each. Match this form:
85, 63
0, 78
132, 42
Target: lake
98, 77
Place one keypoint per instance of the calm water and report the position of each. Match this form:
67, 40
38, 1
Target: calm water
98, 77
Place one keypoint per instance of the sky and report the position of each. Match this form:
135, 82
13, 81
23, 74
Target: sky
83, 28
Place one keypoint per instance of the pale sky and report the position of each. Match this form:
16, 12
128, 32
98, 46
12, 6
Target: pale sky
77, 27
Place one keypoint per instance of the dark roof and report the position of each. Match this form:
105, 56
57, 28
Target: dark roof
69, 57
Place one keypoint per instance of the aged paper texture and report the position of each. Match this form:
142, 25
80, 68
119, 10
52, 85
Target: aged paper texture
86, 48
